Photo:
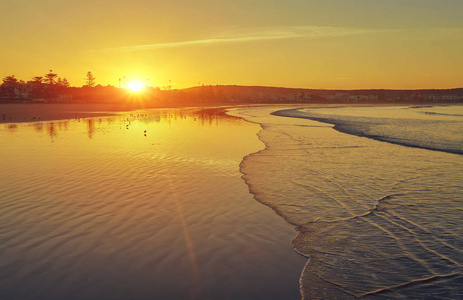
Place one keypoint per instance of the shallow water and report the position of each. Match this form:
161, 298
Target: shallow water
147, 205
378, 219
433, 128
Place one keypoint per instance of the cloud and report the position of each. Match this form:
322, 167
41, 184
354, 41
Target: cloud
439, 33
251, 35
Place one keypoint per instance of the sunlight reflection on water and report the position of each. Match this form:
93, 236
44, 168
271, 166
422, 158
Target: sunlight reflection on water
138, 205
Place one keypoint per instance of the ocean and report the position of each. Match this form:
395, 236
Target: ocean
374, 192
140, 205
360, 202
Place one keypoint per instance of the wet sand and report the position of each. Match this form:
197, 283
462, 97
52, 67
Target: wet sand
34, 112
94, 209
379, 220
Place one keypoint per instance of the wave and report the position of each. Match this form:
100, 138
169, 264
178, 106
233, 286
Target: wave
433, 135
440, 114
375, 220
416, 282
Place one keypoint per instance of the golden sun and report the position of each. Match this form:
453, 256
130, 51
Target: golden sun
135, 86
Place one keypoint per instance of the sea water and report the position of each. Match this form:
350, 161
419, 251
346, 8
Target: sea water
376, 194
142, 205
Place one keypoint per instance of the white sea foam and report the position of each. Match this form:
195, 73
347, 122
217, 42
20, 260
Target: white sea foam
378, 220
434, 128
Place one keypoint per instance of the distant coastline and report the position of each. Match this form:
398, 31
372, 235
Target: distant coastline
34, 101
150, 97
29, 111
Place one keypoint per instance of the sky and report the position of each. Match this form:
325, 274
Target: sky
321, 44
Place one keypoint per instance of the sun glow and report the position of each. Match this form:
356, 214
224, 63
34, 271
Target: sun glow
135, 86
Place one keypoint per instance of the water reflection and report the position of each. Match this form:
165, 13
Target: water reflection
63, 125
12, 127
90, 128
38, 127
202, 117
123, 216
51, 131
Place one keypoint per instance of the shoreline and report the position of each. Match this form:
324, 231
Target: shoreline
221, 242
340, 126
40, 112
324, 144
43, 112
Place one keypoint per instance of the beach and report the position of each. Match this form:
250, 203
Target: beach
39, 112
138, 205
375, 194
36, 112
279, 202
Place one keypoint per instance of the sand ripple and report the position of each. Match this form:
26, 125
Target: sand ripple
114, 214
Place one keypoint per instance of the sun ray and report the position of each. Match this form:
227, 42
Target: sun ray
135, 86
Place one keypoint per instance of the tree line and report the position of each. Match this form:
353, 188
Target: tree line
49, 85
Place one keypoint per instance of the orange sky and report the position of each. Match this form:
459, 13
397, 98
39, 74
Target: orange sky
332, 44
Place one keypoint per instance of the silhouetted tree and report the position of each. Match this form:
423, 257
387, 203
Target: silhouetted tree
37, 79
65, 82
10, 80
9, 85
90, 79
50, 78
22, 88
37, 88
61, 88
